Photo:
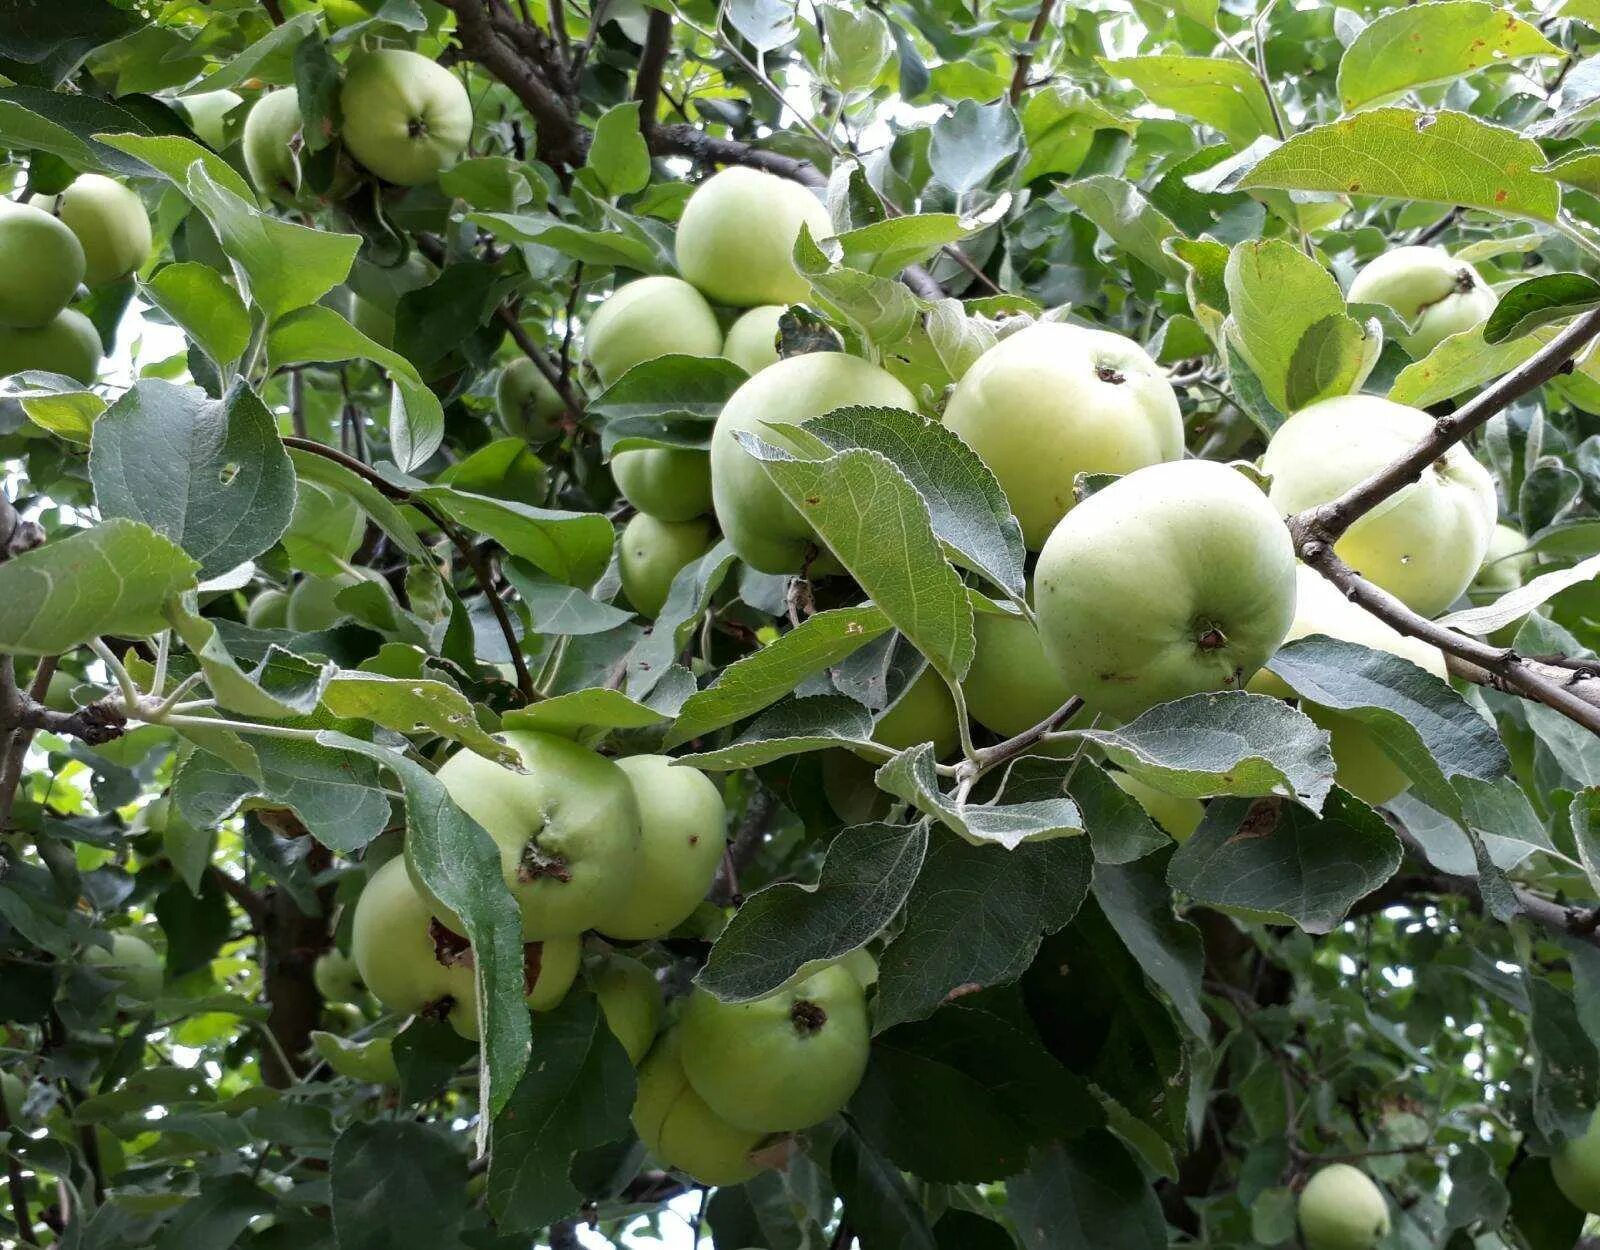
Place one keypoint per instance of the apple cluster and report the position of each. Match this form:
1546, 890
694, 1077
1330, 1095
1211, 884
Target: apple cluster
94, 231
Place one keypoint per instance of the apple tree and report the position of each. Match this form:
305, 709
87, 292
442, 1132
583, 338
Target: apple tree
948, 625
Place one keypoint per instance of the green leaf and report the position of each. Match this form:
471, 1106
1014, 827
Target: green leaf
1274, 859
57, 403
607, 248
269, 58
576, 1096
573, 547
761, 678
885, 309
1580, 169
879, 1206
396, 1183
670, 401
617, 155
963, 1095
1538, 301
1425, 44
1459, 363
972, 142
1044, 814
886, 247
1086, 1193
1516, 604
556, 608
1288, 321
856, 49
218, 1215
296, 684
413, 705
1218, 91
204, 307
70, 125
584, 714
687, 598
975, 917
460, 863
1058, 122
173, 156
286, 265
791, 728
211, 475
1131, 222
766, 24
111, 579
1441, 158
497, 183
870, 516
1429, 731
1138, 905
1226, 743
786, 932
1476, 1191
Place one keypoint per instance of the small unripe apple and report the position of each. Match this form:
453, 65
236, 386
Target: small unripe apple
737, 234
1434, 294
1178, 815
647, 318
312, 603
1174, 580
848, 785
763, 526
336, 976
132, 962
111, 225
630, 997
786, 1061
559, 960
752, 341
862, 966
1363, 767
406, 118
1341, 1209
670, 483
651, 554
1576, 1168
925, 712
683, 829
1426, 542
528, 405
397, 958
207, 112
15, 1093
68, 344
567, 830
679, 1129
272, 145
1011, 685
41, 264
1506, 565
1055, 400
268, 610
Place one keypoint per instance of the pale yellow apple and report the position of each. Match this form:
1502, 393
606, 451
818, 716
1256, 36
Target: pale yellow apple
737, 234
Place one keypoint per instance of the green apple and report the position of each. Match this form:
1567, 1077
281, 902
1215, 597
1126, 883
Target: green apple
752, 341
567, 829
406, 118
371, 1061
848, 785
924, 712
1364, 767
786, 1061
68, 344
1053, 401
272, 145
1576, 1168
737, 234
336, 976
311, 603
131, 961
630, 997
651, 554
396, 957
862, 966
1341, 1209
1505, 567
41, 264
1434, 294
15, 1094
207, 112
111, 225
559, 960
1425, 543
647, 318
683, 828
679, 1129
1176, 579
268, 610
1011, 685
670, 483
528, 404
763, 526
1178, 815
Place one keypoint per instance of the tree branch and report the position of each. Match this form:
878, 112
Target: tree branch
17, 1183
1019, 78
652, 61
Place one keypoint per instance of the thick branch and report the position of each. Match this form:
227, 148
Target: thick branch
1508, 671
652, 61
1328, 522
16, 534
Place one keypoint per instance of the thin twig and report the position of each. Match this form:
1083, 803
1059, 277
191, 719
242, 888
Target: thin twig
16, 1182
1019, 77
